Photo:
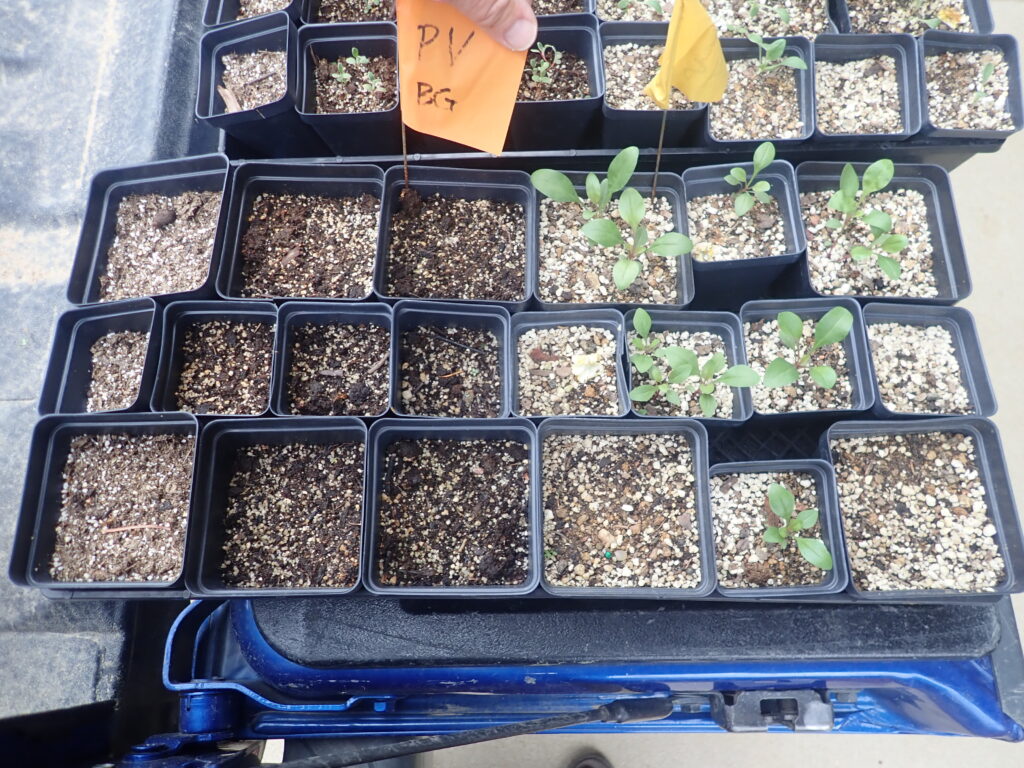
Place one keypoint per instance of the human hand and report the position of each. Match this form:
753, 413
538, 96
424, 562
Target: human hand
510, 22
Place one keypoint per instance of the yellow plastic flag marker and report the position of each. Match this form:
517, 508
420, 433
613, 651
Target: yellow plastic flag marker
455, 81
693, 61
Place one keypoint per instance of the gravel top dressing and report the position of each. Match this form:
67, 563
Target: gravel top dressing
861, 96
454, 513
739, 505
806, 17
446, 247
161, 245
568, 75
309, 245
567, 370
915, 514
718, 234
450, 372
917, 369
574, 270
620, 511
371, 87
757, 106
124, 508
635, 10
551, 7
339, 369
249, 8
705, 344
225, 367
253, 79
335, 11
833, 271
879, 16
294, 516
627, 69
116, 374
960, 96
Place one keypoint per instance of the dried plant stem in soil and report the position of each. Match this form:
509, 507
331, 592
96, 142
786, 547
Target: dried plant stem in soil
637, 10
335, 11
161, 245
116, 375
757, 106
806, 17
620, 511
705, 344
225, 367
915, 514
568, 77
451, 371
959, 97
718, 234
880, 16
249, 8
917, 369
627, 69
124, 507
361, 93
454, 513
251, 80
567, 370
294, 516
861, 96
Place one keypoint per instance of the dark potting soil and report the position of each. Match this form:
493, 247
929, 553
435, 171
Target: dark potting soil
124, 507
117, 362
454, 513
339, 369
251, 80
447, 247
568, 75
334, 11
371, 87
450, 372
294, 516
225, 367
310, 245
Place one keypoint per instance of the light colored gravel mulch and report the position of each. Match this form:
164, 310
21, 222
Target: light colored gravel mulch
636, 10
627, 69
757, 106
249, 8
861, 96
879, 16
118, 360
957, 99
253, 79
620, 511
915, 514
718, 234
567, 370
705, 344
806, 17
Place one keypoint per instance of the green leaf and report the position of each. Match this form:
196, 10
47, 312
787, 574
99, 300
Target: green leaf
593, 189
833, 223
605, 196
708, 405
643, 393
631, 207
764, 155
707, 388
895, 243
782, 13
986, 72
781, 501
890, 267
762, 186
672, 244
680, 373
656, 374
878, 175
879, 221
677, 357
833, 327
860, 252
604, 232
740, 376
791, 328
780, 373
673, 397
762, 197
742, 203
932, 23
638, 343
794, 62
775, 49
642, 322
736, 176
621, 168
640, 238
808, 518
814, 552
555, 185
824, 376
625, 272
715, 364
755, 38
848, 182
642, 363
772, 535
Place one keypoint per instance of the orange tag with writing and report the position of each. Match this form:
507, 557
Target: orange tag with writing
455, 81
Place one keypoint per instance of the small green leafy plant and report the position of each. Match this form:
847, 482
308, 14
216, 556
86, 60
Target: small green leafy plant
540, 65
654, 5
986, 74
557, 186
341, 74
832, 328
754, 9
751, 190
783, 505
369, 80
770, 56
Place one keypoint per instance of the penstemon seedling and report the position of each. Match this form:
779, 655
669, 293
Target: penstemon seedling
540, 65
783, 505
357, 59
986, 74
341, 74
754, 8
557, 186
654, 5
830, 329
769, 55
371, 83
751, 190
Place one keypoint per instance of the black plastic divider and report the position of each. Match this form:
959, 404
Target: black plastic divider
220, 12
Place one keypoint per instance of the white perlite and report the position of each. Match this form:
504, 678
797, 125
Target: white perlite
627, 69
567, 370
917, 369
915, 514
957, 98
636, 10
705, 344
910, 16
718, 234
757, 106
861, 97
806, 17
573, 269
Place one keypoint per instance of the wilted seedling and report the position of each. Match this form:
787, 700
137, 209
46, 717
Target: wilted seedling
751, 190
986, 74
540, 65
830, 329
950, 16
783, 506
557, 186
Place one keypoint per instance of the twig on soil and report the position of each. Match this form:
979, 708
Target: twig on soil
119, 529
459, 372
455, 343
230, 100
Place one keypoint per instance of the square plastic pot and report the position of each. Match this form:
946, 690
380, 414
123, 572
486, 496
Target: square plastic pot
253, 179
978, 10
411, 314
274, 129
178, 317
295, 314
934, 42
729, 284
609, 319
697, 437
463, 184
952, 278
69, 372
858, 358
670, 186
355, 133
218, 446
385, 432
41, 501
722, 324
998, 494
203, 173
834, 581
959, 323
220, 12
839, 49
642, 127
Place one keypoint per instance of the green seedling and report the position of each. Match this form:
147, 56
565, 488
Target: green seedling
949, 16
770, 56
830, 329
356, 59
986, 74
751, 190
683, 375
783, 506
341, 74
540, 65
371, 83
754, 9
357, 62
654, 5
557, 186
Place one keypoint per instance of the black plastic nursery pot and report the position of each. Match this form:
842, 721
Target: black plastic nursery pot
934, 42
726, 326
840, 49
219, 12
953, 281
834, 581
202, 173
959, 323
697, 438
215, 457
252, 179
275, 128
1002, 510
730, 284
34, 539
384, 432
978, 11
463, 184
296, 314
412, 314
357, 133
69, 372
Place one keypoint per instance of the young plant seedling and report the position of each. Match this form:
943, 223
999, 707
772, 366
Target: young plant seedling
949, 16
783, 505
370, 82
751, 190
654, 5
557, 186
540, 65
754, 8
770, 56
830, 329
986, 74
341, 74
685, 375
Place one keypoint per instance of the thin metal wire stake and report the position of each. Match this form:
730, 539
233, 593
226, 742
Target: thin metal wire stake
405, 158
657, 159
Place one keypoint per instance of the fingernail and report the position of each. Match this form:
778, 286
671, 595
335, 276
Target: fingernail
521, 34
